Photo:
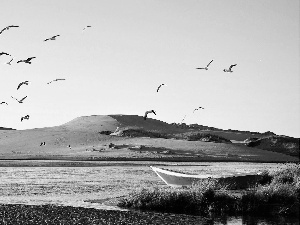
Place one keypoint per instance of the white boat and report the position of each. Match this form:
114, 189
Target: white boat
233, 180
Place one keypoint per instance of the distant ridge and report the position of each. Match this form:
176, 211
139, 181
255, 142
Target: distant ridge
149, 124
111, 122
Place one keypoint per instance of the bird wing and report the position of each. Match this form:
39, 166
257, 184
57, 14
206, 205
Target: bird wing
20, 84
232, 66
146, 113
153, 112
200, 68
5, 28
158, 88
30, 58
23, 98
210, 63
86, 27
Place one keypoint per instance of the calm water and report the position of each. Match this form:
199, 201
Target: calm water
78, 186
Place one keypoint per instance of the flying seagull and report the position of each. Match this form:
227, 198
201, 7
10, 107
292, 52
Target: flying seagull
26, 60
3, 103
229, 70
25, 118
55, 80
159, 87
205, 68
4, 53
9, 63
52, 38
198, 108
20, 84
7, 28
86, 27
146, 113
20, 101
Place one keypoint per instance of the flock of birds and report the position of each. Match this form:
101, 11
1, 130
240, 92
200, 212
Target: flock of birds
27, 61
229, 70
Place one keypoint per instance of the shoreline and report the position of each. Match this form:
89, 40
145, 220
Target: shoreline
52, 214
48, 162
55, 214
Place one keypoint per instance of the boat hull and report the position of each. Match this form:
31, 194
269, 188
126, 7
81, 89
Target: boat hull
175, 179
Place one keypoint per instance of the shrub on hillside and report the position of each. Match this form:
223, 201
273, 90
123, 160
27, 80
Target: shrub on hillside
140, 132
106, 132
282, 144
201, 136
207, 137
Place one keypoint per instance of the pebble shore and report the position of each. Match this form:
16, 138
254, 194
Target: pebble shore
52, 214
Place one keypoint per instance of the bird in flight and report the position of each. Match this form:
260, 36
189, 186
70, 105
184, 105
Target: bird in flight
55, 80
7, 28
4, 53
159, 87
229, 70
198, 108
9, 63
27, 60
205, 68
25, 118
24, 82
52, 38
147, 112
20, 101
3, 103
86, 27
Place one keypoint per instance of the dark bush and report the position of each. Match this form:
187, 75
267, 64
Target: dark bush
106, 132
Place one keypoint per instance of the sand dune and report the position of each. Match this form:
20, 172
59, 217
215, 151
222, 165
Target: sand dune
80, 139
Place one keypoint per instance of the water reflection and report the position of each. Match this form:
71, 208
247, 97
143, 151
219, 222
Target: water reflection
252, 220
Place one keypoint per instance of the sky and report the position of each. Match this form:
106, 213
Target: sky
133, 46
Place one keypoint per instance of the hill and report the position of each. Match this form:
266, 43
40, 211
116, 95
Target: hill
85, 138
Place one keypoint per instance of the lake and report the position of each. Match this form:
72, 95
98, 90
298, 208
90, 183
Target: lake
90, 186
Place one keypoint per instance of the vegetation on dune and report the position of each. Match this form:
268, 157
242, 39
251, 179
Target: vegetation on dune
200, 136
278, 192
140, 132
282, 144
190, 136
